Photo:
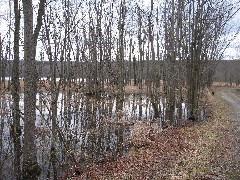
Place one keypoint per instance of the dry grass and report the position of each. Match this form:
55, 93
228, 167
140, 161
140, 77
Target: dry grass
43, 85
224, 84
130, 89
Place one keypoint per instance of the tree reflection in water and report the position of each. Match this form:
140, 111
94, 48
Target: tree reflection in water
88, 130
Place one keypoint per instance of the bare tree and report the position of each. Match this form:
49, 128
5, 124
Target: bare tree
31, 168
16, 129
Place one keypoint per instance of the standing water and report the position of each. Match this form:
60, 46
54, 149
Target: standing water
88, 129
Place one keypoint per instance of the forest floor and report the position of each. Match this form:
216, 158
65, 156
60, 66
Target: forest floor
201, 150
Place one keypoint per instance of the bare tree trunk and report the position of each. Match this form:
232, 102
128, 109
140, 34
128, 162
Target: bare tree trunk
16, 129
140, 76
31, 168
120, 54
1, 60
54, 89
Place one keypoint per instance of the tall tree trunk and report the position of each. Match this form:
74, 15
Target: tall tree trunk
31, 168
120, 54
16, 129
54, 97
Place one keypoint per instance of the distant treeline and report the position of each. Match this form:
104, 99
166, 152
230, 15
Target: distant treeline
227, 71
80, 69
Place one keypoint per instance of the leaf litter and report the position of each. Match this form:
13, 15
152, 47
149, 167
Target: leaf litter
206, 150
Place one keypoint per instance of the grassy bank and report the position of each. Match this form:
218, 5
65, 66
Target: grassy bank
203, 150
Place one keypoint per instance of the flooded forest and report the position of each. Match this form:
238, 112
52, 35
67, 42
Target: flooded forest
76, 77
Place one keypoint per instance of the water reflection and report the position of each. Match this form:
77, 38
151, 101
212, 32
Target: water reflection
6, 150
88, 130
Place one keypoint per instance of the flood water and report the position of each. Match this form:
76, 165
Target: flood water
90, 128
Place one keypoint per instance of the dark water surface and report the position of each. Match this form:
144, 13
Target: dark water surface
89, 128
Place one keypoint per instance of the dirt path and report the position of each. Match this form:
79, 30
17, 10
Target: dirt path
230, 96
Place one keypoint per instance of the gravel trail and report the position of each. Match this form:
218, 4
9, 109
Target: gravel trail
230, 96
